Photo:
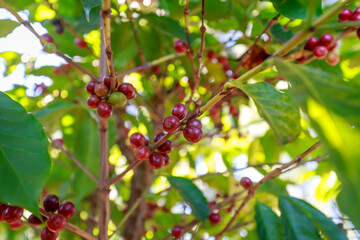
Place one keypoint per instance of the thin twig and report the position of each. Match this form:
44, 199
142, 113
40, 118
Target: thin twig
121, 175
200, 57
189, 51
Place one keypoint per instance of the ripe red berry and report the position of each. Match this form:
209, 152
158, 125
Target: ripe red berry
158, 136
311, 43
16, 225
356, 10
51, 203
48, 37
59, 29
235, 75
177, 231
107, 81
332, 46
58, 143
214, 218
93, 101
156, 69
222, 60
332, 59
320, 52
214, 112
34, 220
101, 90
166, 147
142, 153
57, 71
156, 160
90, 87
12, 214
179, 111
170, 123
234, 111
194, 123
166, 159
56, 222
211, 55
128, 90
355, 17
180, 46
46, 234
2, 208
193, 134
80, 43
67, 209
67, 66
104, 109
226, 67
246, 183
137, 140
326, 40
345, 15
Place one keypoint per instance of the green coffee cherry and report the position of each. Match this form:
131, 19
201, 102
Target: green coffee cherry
117, 99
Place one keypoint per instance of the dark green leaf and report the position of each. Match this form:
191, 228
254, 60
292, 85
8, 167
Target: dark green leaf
88, 5
296, 9
276, 108
7, 26
192, 195
268, 224
280, 34
24, 158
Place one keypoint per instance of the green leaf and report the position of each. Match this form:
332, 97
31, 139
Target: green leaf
268, 224
192, 195
24, 158
279, 33
328, 89
324, 224
297, 226
88, 5
296, 9
276, 108
7, 26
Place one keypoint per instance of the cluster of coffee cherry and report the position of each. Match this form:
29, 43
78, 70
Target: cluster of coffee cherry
102, 99
323, 47
348, 15
11, 215
221, 60
59, 29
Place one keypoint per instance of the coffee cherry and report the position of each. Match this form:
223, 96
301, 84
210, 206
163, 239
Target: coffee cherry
226, 67
57, 71
177, 231
59, 29
156, 160
158, 136
101, 90
234, 111
211, 55
104, 109
326, 40
156, 69
355, 17
128, 90
195, 123
142, 153
107, 81
170, 123
166, 159
16, 225
80, 43
358, 33
166, 147
90, 87
12, 214
311, 43
51, 203
137, 140
214, 218
56, 222
222, 60
46, 234
193, 134
332, 46
356, 10
34, 220
67, 209
58, 143
117, 99
235, 75
320, 52
48, 37
345, 15
93, 101
67, 66
180, 46
179, 111
214, 112
246, 183
332, 59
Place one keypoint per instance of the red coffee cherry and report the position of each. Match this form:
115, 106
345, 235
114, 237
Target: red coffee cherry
356, 10
158, 136
56, 223
195, 123
34, 220
58, 143
2, 208
137, 140
177, 231
320, 52
171, 123
16, 225
156, 160
93, 101
101, 90
156, 69
332, 46
12, 214
214, 218
345, 15
166, 159
226, 67
46, 234
57, 71
107, 81
67, 209
142, 153
193, 134
80, 43
104, 109
48, 38
355, 17
128, 90
326, 40
222, 60
51, 203
179, 111
246, 183
311, 43
180, 46
332, 59
166, 147
59, 29
211, 55
90, 87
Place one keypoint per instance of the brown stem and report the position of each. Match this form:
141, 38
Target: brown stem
121, 175
200, 58
71, 227
268, 177
189, 51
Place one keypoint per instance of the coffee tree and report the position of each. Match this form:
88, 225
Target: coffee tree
184, 119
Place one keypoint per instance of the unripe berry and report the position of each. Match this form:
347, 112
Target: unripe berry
177, 231
142, 153
51, 203
128, 90
166, 147
93, 101
156, 160
179, 111
311, 43
67, 209
192, 134
345, 15
194, 123
46, 234
56, 222
326, 40
320, 52
332, 59
90, 87
137, 140
80, 43
170, 123
104, 109
214, 218
180, 46
101, 90
246, 183
117, 99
